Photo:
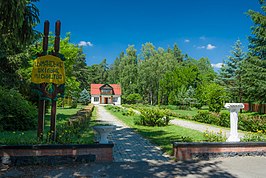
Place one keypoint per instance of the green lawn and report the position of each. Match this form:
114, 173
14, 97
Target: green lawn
162, 136
30, 137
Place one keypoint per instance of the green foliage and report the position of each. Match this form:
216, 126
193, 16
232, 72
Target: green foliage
153, 117
252, 123
231, 73
16, 113
125, 112
245, 122
206, 117
254, 67
84, 97
254, 77
18, 18
133, 98
254, 137
214, 137
77, 128
215, 96
17, 22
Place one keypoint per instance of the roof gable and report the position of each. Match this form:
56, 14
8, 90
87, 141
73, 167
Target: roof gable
96, 88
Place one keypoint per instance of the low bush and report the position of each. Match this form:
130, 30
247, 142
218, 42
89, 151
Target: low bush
74, 128
16, 113
211, 136
153, 117
206, 117
254, 137
245, 122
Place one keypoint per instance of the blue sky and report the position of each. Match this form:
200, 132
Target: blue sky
200, 28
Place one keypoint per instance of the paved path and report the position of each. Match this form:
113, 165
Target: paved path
202, 127
238, 167
129, 146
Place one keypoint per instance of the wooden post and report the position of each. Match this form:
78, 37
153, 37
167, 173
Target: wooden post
41, 112
53, 111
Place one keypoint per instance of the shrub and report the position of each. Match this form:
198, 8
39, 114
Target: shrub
254, 137
215, 97
206, 117
245, 122
214, 137
133, 98
74, 103
154, 117
73, 129
16, 113
225, 119
252, 123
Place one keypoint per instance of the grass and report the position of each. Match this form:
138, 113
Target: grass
162, 136
30, 137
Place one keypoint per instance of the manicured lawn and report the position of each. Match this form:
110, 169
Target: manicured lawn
30, 137
162, 136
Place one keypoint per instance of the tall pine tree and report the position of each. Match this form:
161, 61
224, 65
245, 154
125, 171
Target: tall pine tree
254, 68
231, 73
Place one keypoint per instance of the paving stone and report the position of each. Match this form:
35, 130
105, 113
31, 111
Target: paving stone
129, 146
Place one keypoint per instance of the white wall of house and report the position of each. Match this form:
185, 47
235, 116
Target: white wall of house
117, 101
95, 99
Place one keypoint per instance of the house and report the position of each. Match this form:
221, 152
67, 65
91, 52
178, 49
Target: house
106, 94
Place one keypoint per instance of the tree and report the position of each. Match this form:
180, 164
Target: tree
231, 73
128, 71
178, 54
254, 67
17, 22
84, 97
215, 95
133, 98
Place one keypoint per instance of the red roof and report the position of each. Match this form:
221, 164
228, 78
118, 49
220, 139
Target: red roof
95, 89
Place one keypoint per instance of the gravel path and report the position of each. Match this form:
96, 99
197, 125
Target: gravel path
129, 146
202, 127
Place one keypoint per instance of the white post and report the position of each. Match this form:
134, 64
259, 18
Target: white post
234, 108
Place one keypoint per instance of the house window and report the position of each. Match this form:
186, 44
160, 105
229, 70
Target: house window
96, 99
115, 99
106, 91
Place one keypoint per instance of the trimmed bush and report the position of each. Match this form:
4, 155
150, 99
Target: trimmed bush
16, 113
74, 128
245, 122
153, 117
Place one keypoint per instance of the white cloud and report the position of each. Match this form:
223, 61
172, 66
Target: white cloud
187, 41
218, 65
210, 47
201, 47
84, 43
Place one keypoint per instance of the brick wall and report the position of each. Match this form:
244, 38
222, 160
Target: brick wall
188, 151
41, 154
255, 107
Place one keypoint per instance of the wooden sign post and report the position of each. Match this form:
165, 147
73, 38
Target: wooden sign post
48, 75
53, 111
41, 112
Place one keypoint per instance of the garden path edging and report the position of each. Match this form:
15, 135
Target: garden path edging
189, 151
55, 154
